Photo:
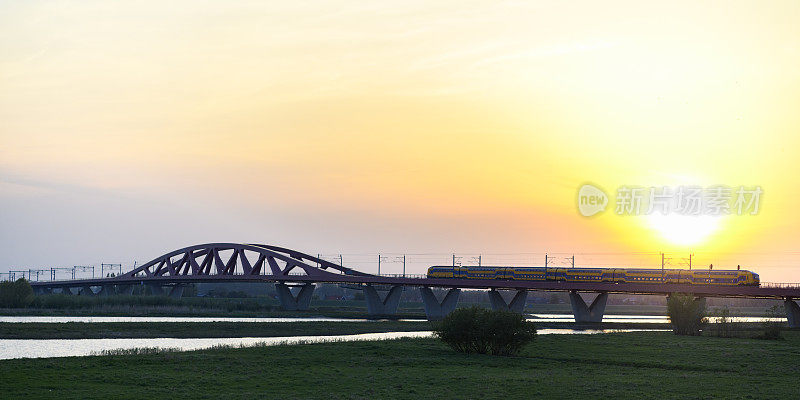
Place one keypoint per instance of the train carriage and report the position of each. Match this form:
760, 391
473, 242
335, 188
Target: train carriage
527, 274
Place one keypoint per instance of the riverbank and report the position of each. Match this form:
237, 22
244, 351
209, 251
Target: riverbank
621, 366
111, 330
223, 329
185, 311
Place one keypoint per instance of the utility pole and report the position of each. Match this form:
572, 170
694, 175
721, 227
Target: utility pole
454, 259
573, 261
476, 259
545, 266
662, 267
690, 261
381, 258
110, 268
402, 260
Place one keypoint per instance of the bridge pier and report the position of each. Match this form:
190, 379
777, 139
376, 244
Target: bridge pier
154, 289
584, 313
289, 301
107, 290
176, 291
40, 290
792, 312
126, 290
436, 310
86, 291
516, 305
387, 306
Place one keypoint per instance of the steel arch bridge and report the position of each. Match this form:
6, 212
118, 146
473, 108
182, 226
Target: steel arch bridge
232, 259
294, 274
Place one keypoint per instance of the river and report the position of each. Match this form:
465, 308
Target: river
37, 348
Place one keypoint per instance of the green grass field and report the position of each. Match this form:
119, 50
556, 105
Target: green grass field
616, 366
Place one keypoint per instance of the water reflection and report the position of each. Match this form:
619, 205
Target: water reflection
641, 319
58, 319
35, 348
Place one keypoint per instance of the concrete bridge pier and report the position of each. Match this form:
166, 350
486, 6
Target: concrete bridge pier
289, 301
107, 290
126, 290
436, 310
516, 305
40, 290
584, 313
154, 289
792, 312
86, 291
176, 291
387, 306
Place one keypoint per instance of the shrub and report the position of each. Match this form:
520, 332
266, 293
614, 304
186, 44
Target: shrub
478, 330
724, 325
771, 327
15, 294
687, 314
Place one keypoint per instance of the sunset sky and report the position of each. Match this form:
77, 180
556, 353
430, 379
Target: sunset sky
129, 129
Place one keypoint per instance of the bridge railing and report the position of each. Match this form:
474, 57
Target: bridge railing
7, 276
411, 276
780, 285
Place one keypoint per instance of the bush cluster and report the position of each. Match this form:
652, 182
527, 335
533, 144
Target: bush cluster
687, 314
724, 325
15, 294
771, 327
478, 330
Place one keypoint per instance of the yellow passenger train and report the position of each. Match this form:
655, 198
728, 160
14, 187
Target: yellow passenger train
612, 275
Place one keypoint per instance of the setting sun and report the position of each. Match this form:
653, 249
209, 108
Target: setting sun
684, 230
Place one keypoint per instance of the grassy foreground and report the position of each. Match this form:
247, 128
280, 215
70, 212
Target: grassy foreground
629, 365
82, 330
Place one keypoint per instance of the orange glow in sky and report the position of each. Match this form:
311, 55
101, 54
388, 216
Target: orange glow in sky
130, 129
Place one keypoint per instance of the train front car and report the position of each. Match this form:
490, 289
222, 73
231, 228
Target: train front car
724, 277
750, 278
